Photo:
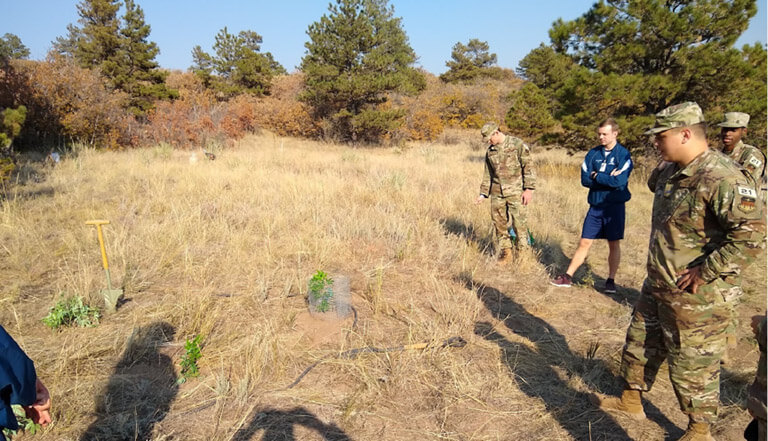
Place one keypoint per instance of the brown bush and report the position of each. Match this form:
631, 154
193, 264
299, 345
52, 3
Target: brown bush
197, 118
282, 112
70, 102
442, 105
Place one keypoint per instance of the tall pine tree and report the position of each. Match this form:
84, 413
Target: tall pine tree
356, 56
238, 65
98, 40
140, 75
120, 49
631, 58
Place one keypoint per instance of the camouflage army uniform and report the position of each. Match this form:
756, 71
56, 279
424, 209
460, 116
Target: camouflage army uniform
756, 402
706, 214
751, 158
508, 171
753, 161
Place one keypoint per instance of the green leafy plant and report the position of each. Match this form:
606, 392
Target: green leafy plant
320, 290
72, 311
192, 353
25, 424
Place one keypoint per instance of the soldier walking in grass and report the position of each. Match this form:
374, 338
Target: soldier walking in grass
605, 171
732, 130
706, 227
509, 181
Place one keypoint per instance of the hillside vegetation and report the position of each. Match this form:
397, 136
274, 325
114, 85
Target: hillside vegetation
225, 249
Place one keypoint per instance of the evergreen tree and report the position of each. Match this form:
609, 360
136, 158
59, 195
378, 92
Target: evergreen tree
469, 62
140, 75
356, 55
238, 65
67, 46
631, 58
11, 47
98, 40
119, 49
530, 112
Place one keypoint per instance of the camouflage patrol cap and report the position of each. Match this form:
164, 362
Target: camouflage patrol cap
488, 130
680, 115
735, 120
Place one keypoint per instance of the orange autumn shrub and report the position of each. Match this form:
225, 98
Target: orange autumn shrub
66, 102
282, 113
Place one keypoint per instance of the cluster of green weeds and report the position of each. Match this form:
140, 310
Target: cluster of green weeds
25, 424
72, 311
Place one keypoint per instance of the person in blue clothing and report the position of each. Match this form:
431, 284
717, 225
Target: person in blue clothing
605, 171
19, 385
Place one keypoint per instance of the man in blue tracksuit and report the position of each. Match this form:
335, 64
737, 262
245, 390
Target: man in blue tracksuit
19, 385
605, 171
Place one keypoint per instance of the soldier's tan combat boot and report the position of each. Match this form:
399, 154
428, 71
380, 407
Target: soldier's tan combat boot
505, 256
697, 432
630, 404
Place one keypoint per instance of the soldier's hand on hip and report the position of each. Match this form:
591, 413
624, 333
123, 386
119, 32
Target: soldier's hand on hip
690, 279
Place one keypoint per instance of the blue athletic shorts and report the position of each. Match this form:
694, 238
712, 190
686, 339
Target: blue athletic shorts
604, 223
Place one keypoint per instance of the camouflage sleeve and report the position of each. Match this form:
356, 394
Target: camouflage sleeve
739, 213
526, 165
485, 185
654, 177
754, 163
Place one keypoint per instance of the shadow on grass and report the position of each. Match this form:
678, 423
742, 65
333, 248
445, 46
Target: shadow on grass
278, 425
538, 372
552, 257
733, 387
455, 226
140, 391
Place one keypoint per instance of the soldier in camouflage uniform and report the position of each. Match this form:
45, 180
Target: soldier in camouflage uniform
706, 227
751, 158
509, 181
732, 130
756, 402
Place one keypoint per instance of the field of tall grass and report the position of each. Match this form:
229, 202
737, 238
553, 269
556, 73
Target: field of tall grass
224, 249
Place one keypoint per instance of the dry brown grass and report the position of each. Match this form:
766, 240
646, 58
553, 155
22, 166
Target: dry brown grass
225, 249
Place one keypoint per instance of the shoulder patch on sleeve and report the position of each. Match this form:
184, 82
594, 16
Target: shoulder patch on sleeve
755, 162
746, 191
746, 199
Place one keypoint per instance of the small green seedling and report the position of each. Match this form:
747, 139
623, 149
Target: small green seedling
192, 353
321, 290
25, 424
72, 311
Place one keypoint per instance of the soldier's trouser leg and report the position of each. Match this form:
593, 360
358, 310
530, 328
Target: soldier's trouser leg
644, 349
694, 332
501, 222
734, 298
518, 220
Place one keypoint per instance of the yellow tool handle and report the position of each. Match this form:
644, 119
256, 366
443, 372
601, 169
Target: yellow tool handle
98, 224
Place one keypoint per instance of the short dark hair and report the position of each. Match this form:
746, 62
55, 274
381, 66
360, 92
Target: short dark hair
699, 130
609, 122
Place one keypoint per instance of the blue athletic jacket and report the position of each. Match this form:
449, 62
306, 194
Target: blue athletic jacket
605, 189
17, 380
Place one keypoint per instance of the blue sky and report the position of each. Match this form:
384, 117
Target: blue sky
511, 27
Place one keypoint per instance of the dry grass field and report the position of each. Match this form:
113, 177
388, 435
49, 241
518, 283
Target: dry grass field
225, 249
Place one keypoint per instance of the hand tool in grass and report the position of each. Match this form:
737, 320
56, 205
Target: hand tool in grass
110, 295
